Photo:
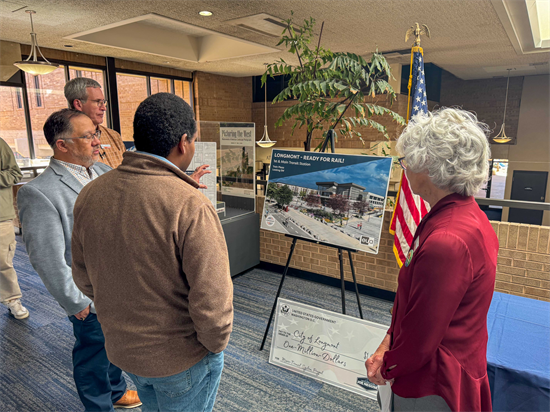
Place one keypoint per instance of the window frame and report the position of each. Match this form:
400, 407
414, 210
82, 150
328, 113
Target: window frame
20, 82
149, 75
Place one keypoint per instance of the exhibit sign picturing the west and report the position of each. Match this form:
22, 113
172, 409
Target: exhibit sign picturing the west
237, 159
331, 198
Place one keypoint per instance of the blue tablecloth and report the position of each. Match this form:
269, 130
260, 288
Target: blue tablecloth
518, 353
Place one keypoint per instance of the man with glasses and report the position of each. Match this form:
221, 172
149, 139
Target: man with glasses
85, 95
46, 211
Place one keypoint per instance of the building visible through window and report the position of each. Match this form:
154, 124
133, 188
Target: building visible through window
37, 92
18, 99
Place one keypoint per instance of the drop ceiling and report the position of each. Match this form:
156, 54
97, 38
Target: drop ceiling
470, 38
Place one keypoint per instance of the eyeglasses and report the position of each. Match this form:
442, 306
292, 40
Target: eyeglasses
88, 137
403, 162
98, 102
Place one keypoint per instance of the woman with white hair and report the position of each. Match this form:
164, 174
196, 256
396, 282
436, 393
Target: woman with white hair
434, 354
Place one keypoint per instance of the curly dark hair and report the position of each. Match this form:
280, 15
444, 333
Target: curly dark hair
160, 122
58, 125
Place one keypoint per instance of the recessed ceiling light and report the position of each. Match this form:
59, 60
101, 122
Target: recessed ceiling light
166, 62
205, 13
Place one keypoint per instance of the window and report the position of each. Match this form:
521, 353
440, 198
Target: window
494, 189
18, 98
14, 126
95, 74
183, 90
45, 99
498, 179
132, 90
160, 85
37, 92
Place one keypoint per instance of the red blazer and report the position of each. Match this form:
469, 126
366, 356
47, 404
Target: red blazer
439, 324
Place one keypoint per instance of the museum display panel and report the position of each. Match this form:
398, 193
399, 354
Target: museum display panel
234, 172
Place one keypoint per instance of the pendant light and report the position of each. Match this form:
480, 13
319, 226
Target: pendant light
265, 141
501, 136
35, 66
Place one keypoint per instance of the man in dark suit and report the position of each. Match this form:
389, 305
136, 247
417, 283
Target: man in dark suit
46, 211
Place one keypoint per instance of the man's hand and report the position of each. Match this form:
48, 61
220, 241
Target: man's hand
198, 173
83, 314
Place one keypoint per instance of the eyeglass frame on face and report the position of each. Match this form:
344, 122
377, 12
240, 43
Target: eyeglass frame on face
98, 102
402, 163
95, 135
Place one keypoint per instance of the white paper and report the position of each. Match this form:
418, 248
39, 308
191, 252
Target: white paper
205, 154
324, 345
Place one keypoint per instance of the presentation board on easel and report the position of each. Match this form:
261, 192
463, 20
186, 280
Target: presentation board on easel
330, 198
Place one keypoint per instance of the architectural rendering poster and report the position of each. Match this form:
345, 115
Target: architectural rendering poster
205, 154
331, 198
237, 159
325, 345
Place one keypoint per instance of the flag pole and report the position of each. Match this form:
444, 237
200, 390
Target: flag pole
415, 48
393, 217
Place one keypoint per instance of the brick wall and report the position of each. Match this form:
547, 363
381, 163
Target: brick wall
284, 137
486, 98
523, 262
222, 98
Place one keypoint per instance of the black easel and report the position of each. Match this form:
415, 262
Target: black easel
329, 139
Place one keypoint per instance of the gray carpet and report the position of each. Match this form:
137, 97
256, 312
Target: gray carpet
36, 367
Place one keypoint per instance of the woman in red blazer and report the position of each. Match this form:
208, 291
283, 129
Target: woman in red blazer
434, 354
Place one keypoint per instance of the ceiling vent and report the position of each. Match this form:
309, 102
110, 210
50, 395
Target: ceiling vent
163, 36
262, 23
393, 54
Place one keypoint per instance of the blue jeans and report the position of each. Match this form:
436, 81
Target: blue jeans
99, 383
192, 390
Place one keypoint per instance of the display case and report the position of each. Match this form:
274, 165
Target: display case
234, 174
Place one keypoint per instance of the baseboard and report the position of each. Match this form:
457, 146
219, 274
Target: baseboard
327, 280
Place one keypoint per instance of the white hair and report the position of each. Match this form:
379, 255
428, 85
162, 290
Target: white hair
451, 146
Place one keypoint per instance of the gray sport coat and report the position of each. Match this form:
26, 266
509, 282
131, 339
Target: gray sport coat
45, 207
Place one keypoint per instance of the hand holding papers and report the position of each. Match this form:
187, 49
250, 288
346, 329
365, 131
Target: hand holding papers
198, 173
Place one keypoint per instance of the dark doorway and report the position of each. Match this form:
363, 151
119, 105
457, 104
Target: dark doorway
530, 186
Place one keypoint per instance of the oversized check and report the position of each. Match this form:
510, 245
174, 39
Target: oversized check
324, 345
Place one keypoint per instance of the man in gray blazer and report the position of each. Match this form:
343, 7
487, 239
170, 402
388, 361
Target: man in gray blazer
46, 211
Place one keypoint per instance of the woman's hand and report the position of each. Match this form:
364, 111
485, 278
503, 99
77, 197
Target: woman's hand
374, 363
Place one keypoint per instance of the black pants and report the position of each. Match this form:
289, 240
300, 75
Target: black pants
99, 383
432, 403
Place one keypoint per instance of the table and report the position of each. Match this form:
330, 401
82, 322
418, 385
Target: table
518, 353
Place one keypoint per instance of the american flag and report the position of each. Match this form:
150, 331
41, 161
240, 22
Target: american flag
410, 208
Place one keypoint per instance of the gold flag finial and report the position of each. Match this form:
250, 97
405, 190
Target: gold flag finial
417, 31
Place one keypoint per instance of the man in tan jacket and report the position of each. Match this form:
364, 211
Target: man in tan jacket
85, 95
149, 250
10, 293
